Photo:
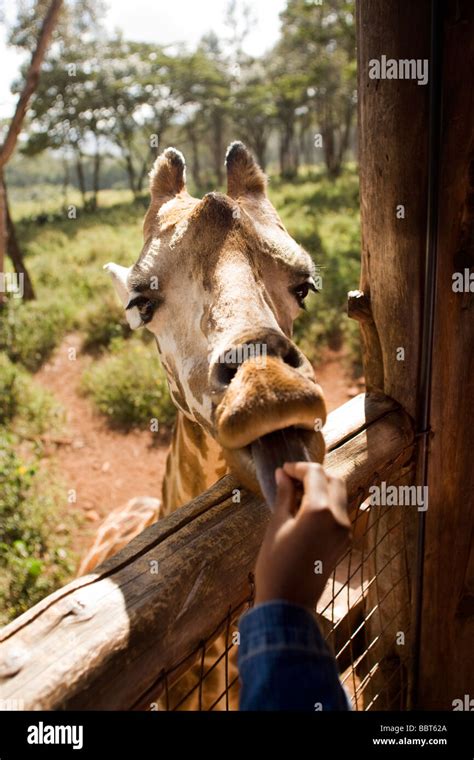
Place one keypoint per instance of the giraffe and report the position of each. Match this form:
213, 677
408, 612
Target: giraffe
219, 282
118, 529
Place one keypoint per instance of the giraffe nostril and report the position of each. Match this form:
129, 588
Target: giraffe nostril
224, 373
229, 362
293, 357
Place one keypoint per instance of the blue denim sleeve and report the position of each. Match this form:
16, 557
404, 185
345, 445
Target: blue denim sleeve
284, 662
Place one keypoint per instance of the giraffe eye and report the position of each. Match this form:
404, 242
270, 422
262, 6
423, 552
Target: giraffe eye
145, 307
302, 290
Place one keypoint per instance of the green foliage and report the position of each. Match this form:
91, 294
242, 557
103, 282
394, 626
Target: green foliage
129, 386
103, 322
33, 559
29, 409
323, 216
98, 90
65, 258
30, 331
9, 391
315, 77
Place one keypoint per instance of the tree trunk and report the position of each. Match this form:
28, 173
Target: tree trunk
3, 232
218, 149
96, 180
81, 178
329, 147
31, 83
295, 152
288, 163
65, 183
345, 133
196, 164
15, 254
131, 174
142, 175
260, 147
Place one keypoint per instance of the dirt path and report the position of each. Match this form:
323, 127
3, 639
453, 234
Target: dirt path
105, 467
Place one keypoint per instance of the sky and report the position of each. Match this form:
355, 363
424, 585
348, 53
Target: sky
155, 21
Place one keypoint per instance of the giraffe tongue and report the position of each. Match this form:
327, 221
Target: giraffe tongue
271, 451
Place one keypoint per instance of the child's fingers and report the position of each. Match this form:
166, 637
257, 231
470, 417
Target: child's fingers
315, 483
296, 470
304, 471
286, 495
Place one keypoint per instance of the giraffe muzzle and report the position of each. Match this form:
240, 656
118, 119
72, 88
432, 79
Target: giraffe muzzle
270, 414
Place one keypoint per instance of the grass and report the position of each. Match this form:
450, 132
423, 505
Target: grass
129, 386
47, 199
25, 408
102, 323
324, 217
29, 332
65, 259
34, 556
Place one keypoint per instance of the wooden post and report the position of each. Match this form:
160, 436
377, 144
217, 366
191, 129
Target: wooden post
393, 152
393, 133
393, 117
447, 634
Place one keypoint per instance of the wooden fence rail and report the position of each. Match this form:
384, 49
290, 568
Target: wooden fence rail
104, 640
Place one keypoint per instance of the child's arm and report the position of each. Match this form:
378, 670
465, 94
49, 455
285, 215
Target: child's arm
284, 662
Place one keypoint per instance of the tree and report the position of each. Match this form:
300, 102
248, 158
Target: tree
212, 88
289, 91
253, 110
141, 95
9, 143
67, 111
203, 89
320, 41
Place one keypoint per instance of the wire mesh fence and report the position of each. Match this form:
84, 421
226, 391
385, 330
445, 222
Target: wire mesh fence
364, 614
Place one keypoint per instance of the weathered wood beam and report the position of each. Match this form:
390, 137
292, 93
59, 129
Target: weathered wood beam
393, 143
447, 635
102, 641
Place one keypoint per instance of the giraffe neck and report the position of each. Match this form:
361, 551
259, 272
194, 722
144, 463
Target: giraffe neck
195, 461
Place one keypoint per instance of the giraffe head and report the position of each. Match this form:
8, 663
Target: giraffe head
219, 282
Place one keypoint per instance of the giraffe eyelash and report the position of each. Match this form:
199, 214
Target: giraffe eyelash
301, 291
145, 306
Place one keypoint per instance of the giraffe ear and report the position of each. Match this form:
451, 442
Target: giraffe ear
119, 276
168, 177
244, 175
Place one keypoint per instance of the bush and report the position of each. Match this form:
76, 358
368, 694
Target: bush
324, 217
8, 389
33, 560
30, 409
102, 323
30, 331
130, 386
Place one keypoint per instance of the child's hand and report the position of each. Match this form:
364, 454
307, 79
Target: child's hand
301, 546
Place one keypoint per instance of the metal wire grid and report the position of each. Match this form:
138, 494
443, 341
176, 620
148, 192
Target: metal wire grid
362, 639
